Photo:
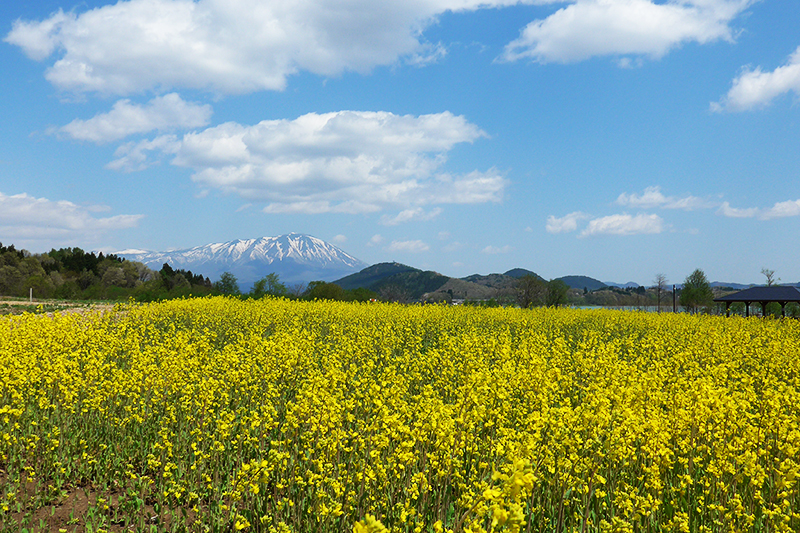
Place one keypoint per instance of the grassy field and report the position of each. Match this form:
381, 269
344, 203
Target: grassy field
217, 414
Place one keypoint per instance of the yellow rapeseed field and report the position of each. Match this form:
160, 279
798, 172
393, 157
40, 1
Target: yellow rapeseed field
217, 414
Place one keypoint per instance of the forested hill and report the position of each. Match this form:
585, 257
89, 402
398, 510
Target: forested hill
72, 273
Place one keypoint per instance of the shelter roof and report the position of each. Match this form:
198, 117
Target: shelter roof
774, 293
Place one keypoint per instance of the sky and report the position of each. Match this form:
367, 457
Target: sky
617, 139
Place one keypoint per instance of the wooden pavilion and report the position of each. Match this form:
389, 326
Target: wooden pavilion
782, 294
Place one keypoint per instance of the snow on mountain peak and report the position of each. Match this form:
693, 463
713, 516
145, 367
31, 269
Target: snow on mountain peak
294, 257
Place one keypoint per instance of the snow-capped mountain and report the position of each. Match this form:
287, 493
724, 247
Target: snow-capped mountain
294, 257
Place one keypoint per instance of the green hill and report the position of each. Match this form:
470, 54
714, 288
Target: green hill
372, 275
494, 281
397, 278
581, 282
520, 272
413, 283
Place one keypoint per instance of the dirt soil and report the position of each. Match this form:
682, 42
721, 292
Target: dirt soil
16, 306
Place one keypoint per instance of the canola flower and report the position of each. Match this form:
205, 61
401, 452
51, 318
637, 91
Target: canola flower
279, 416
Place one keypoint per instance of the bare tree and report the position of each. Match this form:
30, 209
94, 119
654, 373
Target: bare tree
660, 283
770, 275
394, 293
297, 289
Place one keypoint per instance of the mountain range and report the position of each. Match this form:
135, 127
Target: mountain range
293, 257
404, 282
299, 258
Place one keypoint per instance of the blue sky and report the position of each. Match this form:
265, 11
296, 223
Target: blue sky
611, 138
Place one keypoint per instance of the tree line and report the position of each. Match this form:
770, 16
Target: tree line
74, 274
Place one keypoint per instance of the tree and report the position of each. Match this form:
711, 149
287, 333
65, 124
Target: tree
297, 289
144, 272
227, 284
114, 276
696, 293
361, 294
322, 290
394, 293
659, 283
269, 284
556, 293
531, 291
770, 275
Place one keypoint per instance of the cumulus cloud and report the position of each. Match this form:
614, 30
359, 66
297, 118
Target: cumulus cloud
339, 239
409, 215
414, 247
755, 88
228, 47
591, 28
375, 240
564, 224
342, 162
789, 208
653, 197
26, 219
162, 113
624, 224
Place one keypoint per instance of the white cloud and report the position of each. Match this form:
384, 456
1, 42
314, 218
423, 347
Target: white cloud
408, 215
376, 240
341, 162
415, 247
653, 197
624, 224
444, 235
493, 250
473, 188
733, 212
162, 113
591, 28
565, 224
133, 156
39, 39
789, 208
755, 88
339, 239
454, 246
231, 46
26, 219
